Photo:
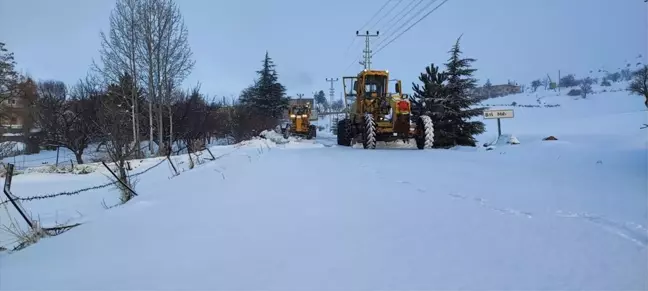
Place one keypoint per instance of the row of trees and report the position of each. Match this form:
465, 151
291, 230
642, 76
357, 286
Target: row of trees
70, 116
133, 93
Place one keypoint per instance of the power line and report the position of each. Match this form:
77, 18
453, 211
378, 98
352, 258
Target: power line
351, 64
402, 13
411, 18
410, 27
375, 14
407, 21
346, 52
380, 19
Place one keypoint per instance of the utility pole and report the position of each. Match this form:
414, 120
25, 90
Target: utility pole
331, 95
331, 90
367, 51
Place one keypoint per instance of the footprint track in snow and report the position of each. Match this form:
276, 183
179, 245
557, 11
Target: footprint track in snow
630, 231
484, 203
481, 201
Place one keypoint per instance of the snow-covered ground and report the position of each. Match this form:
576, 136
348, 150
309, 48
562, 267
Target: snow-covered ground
271, 214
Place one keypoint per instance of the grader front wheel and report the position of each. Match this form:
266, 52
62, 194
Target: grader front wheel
312, 132
424, 132
369, 132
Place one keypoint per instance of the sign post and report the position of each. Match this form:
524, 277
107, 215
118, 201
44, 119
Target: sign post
499, 114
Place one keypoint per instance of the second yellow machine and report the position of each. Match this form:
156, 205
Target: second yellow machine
300, 114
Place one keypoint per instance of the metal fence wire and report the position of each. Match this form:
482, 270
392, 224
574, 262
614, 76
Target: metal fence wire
76, 192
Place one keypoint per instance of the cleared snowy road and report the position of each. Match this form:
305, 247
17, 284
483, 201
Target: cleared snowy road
342, 218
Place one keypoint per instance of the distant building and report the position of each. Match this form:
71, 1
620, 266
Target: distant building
12, 110
497, 90
12, 117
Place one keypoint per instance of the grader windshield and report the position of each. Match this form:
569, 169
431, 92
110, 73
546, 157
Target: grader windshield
375, 86
368, 85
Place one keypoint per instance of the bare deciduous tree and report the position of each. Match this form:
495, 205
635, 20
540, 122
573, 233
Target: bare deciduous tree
166, 56
148, 40
639, 84
112, 122
67, 122
119, 52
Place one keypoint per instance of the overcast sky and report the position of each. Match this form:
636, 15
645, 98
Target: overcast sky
310, 40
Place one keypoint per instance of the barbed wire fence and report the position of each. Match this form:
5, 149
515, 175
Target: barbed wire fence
58, 229
112, 183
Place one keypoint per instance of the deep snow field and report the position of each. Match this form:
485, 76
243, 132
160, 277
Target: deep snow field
271, 214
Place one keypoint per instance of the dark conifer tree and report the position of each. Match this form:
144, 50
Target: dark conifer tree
460, 104
428, 100
267, 96
488, 87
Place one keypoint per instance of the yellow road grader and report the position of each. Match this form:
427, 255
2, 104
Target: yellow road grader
373, 114
300, 115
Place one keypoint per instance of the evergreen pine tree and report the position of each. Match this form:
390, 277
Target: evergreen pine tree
267, 96
459, 105
428, 100
488, 84
8, 74
488, 87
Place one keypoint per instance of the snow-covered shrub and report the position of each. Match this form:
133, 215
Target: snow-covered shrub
569, 81
84, 169
64, 169
574, 92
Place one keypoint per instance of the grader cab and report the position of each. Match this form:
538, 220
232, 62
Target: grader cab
374, 114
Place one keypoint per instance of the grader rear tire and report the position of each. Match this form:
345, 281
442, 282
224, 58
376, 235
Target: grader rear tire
369, 132
424, 132
312, 132
343, 133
